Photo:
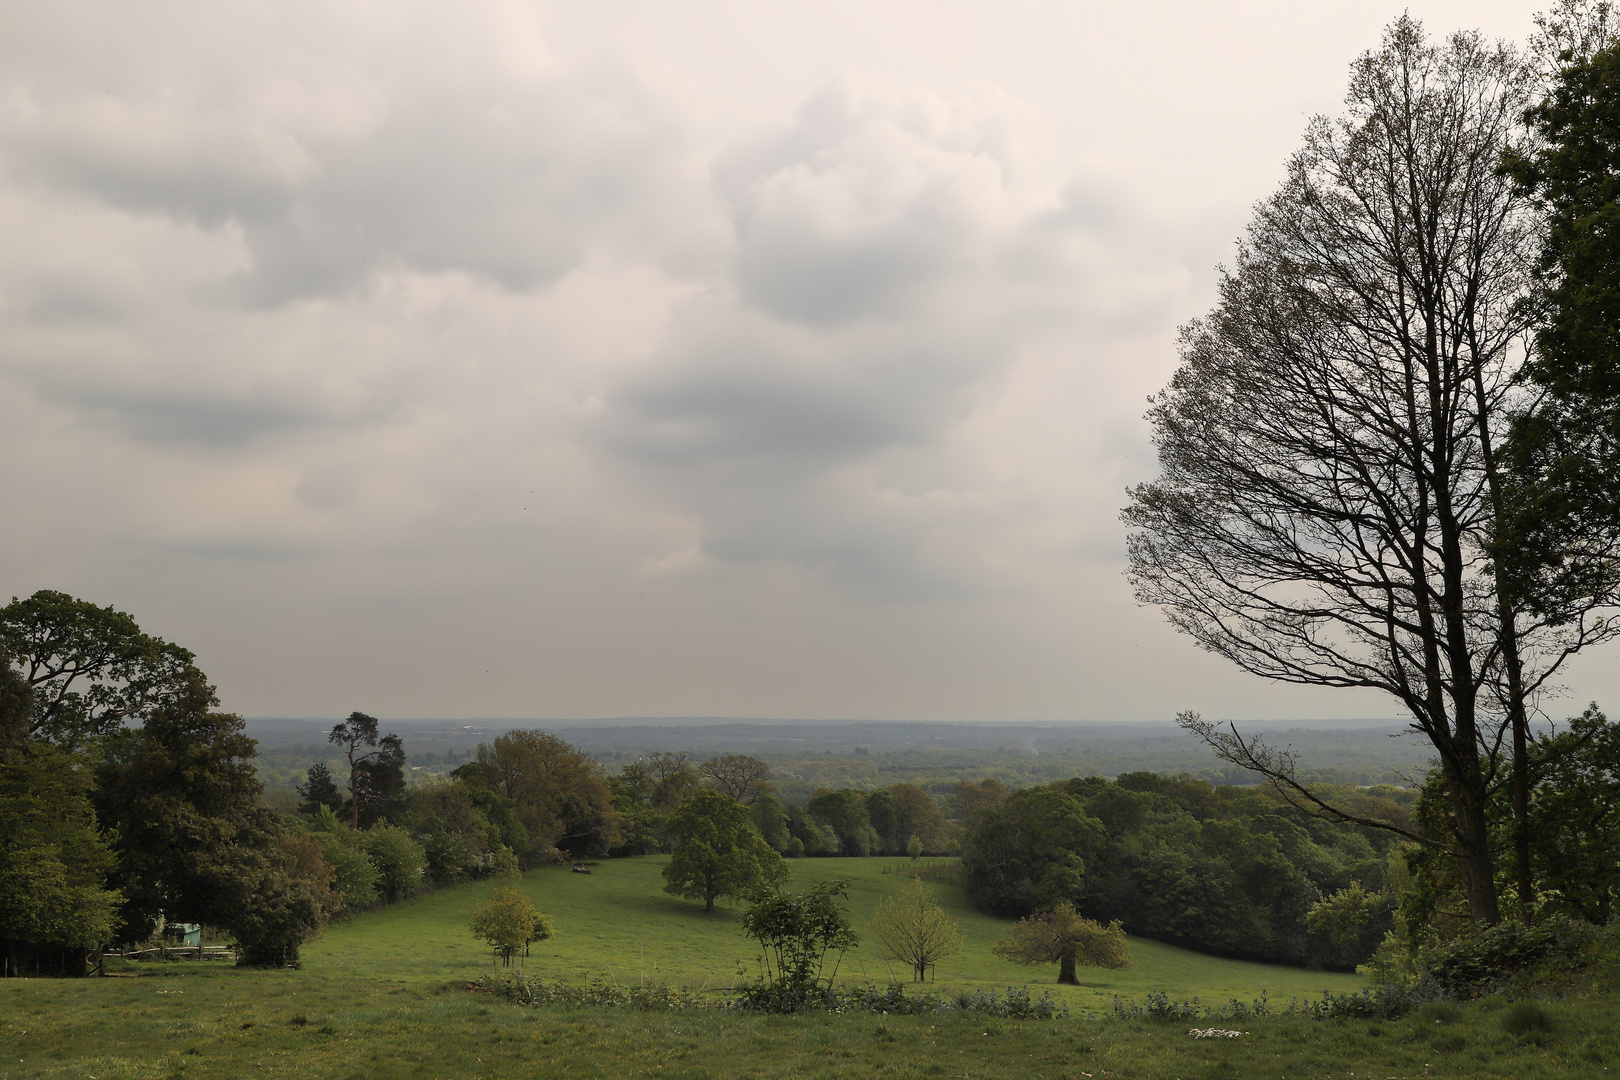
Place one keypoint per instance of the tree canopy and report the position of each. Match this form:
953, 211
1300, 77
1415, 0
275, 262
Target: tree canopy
1064, 937
718, 852
90, 668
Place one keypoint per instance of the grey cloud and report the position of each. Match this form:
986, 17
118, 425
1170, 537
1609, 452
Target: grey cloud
770, 416
70, 305
855, 208
167, 418
511, 183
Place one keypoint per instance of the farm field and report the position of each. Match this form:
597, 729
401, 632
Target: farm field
384, 995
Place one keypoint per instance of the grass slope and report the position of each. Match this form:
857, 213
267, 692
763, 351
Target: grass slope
382, 996
618, 924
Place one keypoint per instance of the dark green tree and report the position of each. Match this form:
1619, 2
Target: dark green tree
1558, 543
195, 843
844, 812
54, 902
770, 817
376, 767
884, 814
1030, 852
91, 668
318, 789
718, 852
1575, 817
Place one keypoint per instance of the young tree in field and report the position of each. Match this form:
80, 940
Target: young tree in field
509, 922
742, 777
799, 933
915, 930
90, 668
1330, 448
1065, 938
718, 852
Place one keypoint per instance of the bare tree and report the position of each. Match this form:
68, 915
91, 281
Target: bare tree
742, 777
1328, 447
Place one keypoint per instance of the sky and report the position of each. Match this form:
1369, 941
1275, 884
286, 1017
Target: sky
766, 359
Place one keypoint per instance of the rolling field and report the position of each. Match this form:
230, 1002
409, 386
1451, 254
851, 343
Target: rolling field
617, 924
384, 995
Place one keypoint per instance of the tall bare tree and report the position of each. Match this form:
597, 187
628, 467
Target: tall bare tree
1328, 447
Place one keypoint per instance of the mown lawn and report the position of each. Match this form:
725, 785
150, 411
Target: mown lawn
385, 995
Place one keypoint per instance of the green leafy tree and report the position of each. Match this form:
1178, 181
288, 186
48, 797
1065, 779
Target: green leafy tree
844, 812
919, 815
718, 852
355, 878
289, 899
915, 930
1560, 541
195, 843
1029, 852
55, 905
559, 795
1064, 937
770, 817
884, 814
1575, 818
509, 922
90, 668
800, 932
400, 861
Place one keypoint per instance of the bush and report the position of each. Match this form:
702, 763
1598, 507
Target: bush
1505, 955
1525, 1019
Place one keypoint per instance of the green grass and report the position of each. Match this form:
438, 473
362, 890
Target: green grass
618, 924
384, 996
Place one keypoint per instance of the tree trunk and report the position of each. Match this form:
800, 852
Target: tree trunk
1066, 970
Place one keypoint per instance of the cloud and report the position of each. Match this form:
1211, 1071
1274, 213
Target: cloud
513, 172
862, 203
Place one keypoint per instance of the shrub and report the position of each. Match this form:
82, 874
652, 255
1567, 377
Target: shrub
1505, 954
1524, 1018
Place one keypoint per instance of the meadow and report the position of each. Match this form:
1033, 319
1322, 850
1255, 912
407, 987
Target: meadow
386, 995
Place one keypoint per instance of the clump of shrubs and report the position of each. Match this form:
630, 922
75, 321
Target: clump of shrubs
892, 1000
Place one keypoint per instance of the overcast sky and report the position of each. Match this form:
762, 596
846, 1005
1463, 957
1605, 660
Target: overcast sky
779, 359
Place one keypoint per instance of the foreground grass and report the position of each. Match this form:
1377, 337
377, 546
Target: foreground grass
385, 996
223, 1023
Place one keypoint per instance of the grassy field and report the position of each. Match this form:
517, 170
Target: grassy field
384, 995
618, 924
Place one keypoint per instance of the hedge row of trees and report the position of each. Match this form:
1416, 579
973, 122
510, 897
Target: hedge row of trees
1233, 871
1242, 872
